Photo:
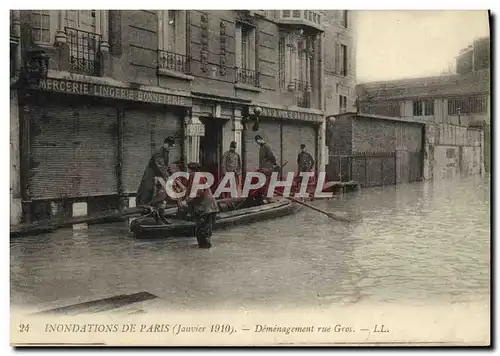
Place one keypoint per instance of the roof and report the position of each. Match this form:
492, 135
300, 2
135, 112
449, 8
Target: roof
355, 115
444, 85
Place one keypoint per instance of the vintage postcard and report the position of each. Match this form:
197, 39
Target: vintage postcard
250, 177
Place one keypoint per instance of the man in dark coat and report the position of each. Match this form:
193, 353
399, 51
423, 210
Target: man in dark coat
267, 159
267, 165
305, 161
231, 162
158, 167
203, 207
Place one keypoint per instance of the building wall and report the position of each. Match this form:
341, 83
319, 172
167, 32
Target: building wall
453, 151
335, 83
129, 57
15, 172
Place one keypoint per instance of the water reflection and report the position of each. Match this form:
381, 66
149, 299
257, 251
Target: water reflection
417, 243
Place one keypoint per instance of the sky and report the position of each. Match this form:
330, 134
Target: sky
404, 44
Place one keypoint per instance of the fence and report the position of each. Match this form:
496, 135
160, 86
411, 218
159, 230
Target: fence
371, 169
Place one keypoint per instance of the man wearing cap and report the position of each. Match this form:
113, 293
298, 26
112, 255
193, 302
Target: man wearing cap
305, 161
267, 159
203, 207
151, 191
231, 162
267, 165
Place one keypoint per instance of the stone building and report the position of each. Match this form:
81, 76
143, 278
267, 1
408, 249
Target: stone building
455, 110
375, 150
118, 82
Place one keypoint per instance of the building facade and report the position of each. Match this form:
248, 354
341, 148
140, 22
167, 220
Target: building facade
375, 150
118, 82
455, 110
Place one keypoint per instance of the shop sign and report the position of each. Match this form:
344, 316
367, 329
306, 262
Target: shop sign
106, 91
195, 130
289, 114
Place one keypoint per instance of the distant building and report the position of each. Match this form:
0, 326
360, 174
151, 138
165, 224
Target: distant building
454, 108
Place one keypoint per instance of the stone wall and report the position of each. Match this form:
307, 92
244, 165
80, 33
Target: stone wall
453, 151
15, 171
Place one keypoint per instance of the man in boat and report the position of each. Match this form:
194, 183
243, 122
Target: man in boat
231, 162
267, 165
151, 192
203, 207
305, 163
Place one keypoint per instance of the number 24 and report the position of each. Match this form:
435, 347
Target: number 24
24, 327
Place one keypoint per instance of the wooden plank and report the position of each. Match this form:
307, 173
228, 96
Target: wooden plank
101, 305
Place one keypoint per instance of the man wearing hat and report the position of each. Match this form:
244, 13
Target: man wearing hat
203, 207
150, 190
305, 161
267, 159
231, 162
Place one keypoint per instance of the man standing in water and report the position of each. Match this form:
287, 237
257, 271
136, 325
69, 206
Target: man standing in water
203, 207
151, 191
231, 162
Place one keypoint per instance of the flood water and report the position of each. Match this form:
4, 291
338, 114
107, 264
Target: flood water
420, 243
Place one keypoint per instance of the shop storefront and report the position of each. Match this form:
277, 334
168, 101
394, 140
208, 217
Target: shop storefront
285, 131
91, 148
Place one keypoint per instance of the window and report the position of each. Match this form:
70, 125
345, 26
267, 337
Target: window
40, 22
342, 103
172, 24
344, 18
468, 105
245, 46
172, 41
429, 107
245, 55
341, 59
417, 108
423, 107
296, 60
82, 30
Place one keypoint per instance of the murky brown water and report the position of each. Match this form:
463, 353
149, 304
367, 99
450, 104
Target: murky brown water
420, 243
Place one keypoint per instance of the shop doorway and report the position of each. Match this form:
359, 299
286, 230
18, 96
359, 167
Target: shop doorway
211, 148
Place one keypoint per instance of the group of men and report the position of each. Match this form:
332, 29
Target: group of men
203, 207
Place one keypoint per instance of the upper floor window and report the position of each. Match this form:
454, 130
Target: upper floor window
468, 105
344, 18
423, 107
40, 24
296, 60
84, 38
245, 54
341, 60
172, 41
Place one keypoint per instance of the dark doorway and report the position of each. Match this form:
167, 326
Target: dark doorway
211, 147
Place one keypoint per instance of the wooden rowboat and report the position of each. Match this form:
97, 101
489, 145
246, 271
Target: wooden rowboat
233, 212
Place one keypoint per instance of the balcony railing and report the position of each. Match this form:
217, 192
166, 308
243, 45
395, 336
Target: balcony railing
247, 76
84, 51
174, 62
306, 17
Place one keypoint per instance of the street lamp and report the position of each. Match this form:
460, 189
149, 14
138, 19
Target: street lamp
254, 117
256, 112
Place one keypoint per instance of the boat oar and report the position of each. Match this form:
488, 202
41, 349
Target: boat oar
312, 207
